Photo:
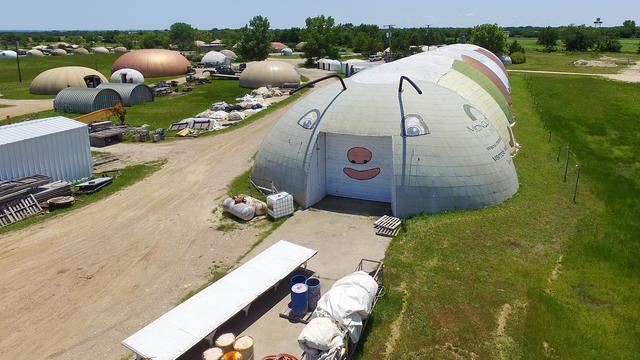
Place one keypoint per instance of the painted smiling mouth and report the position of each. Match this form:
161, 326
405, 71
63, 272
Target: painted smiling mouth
361, 174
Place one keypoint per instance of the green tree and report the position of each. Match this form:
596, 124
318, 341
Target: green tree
578, 38
548, 37
320, 38
628, 29
255, 39
515, 47
182, 35
153, 40
490, 37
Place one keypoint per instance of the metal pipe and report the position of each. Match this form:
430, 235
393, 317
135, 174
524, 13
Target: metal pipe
402, 123
575, 188
344, 87
566, 165
18, 59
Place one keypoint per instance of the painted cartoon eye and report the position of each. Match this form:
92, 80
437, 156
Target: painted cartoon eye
308, 121
415, 125
473, 113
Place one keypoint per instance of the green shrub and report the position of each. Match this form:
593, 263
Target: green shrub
515, 47
609, 45
518, 58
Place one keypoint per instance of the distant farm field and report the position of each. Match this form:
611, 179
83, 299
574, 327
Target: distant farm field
563, 61
537, 276
628, 45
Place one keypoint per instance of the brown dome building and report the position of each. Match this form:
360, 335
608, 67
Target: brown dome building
50, 82
153, 62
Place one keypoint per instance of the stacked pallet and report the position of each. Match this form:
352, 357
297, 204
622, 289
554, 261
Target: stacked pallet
18, 209
10, 190
387, 226
52, 190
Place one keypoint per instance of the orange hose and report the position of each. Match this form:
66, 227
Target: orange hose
280, 357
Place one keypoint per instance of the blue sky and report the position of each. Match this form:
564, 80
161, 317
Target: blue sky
160, 14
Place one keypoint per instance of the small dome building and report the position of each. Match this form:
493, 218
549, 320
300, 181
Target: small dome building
81, 51
100, 50
127, 76
214, 58
8, 54
229, 54
153, 62
51, 81
120, 50
277, 46
58, 52
300, 46
35, 53
426, 150
269, 73
286, 51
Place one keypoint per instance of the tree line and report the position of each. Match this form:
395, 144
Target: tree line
324, 38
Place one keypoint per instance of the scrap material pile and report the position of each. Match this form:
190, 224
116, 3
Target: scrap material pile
245, 207
25, 197
222, 114
339, 317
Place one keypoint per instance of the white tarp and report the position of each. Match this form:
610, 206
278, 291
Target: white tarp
347, 304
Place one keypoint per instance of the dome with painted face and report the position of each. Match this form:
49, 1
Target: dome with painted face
436, 147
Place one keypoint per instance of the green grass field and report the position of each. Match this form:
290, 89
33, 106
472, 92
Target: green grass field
628, 45
562, 61
537, 276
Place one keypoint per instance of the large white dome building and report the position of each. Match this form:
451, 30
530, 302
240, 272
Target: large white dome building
448, 148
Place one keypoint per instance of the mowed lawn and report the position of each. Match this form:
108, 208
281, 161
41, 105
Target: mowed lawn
169, 109
563, 61
537, 276
628, 45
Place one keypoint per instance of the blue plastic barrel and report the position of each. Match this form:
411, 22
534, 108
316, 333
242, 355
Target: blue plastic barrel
297, 279
314, 292
299, 299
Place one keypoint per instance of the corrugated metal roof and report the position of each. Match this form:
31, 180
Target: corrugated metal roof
85, 100
36, 128
131, 94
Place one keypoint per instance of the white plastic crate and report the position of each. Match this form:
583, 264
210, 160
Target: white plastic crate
279, 205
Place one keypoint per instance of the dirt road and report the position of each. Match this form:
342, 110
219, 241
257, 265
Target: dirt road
23, 107
75, 286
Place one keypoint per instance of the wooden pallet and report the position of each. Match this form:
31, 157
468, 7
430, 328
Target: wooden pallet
18, 210
387, 226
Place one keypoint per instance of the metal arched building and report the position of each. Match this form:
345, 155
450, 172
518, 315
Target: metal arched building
84, 101
440, 146
131, 94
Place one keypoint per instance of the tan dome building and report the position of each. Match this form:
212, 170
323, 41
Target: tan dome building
35, 52
58, 52
120, 49
153, 62
100, 50
273, 73
300, 46
81, 51
50, 82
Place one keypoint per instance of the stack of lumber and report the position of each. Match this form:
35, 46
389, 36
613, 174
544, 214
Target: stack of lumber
52, 190
10, 190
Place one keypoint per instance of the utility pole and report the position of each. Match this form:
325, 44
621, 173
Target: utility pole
389, 27
18, 60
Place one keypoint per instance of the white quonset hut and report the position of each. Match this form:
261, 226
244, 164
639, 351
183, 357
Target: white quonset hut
56, 146
435, 149
128, 76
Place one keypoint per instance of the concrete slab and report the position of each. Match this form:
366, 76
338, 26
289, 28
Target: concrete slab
342, 232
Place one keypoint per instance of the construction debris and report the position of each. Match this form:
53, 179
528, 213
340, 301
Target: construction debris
91, 186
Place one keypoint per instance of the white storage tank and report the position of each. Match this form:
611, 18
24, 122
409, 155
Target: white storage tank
57, 147
279, 205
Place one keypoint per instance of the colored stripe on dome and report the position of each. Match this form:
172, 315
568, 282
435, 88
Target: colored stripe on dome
489, 74
486, 84
493, 58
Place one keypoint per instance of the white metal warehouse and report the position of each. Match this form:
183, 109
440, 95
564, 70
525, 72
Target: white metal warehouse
56, 146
